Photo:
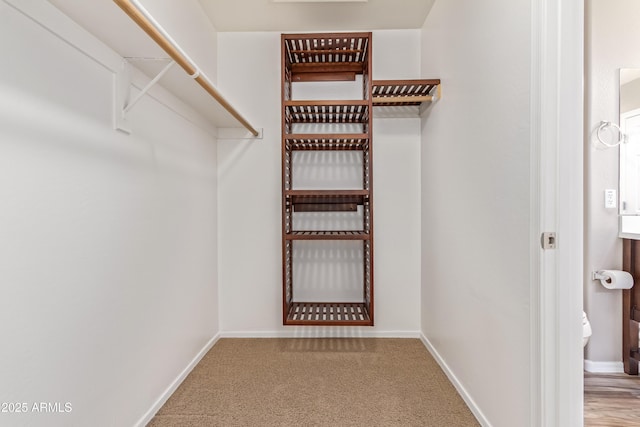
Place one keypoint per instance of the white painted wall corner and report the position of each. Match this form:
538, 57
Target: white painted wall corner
462, 391
162, 399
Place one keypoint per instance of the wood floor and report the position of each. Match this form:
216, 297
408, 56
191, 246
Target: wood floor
611, 400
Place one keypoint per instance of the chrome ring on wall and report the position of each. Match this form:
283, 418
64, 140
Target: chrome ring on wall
606, 125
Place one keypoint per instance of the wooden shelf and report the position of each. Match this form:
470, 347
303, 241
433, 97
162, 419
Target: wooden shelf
326, 111
327, 235
326, 57
404, 92
326, 200
324, 142
338, 314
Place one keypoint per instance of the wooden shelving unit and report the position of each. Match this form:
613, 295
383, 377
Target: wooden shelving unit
329, 58
326, 58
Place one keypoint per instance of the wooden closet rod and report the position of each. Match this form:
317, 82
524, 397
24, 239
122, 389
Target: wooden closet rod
141, 17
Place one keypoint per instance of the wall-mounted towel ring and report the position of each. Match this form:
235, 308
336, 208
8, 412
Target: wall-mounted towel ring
606, 125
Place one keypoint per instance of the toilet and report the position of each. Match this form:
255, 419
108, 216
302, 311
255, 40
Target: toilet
586, 329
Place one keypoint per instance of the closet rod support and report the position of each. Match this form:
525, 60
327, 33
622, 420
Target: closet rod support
149, 85
149, 25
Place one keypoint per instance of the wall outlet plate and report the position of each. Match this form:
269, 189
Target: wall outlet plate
610, 199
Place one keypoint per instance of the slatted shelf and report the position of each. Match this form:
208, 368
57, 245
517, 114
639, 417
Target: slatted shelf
320, 142
322, 57
327, 235
330, 111
404, 92
306, 313
326, 200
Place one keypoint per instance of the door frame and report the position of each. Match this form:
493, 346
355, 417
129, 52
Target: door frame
557, 115
624, 164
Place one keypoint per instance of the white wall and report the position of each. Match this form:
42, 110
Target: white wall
108, 241
611, 39
476, 203
250, 194
190, 28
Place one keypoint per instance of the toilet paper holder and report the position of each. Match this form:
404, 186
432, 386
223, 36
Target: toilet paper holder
597, 275
614, 279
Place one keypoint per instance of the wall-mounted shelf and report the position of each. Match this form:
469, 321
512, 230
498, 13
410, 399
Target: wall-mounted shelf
404, 92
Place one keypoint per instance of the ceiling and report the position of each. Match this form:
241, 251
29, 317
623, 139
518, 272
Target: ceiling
301, 15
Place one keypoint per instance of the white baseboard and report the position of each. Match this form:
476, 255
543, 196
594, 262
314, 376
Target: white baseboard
320, 332
176, 383
603, 367
456, 383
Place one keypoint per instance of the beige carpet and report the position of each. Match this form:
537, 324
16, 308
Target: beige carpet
316, 382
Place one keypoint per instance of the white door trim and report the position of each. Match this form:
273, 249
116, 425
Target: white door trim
557, 205
629, 165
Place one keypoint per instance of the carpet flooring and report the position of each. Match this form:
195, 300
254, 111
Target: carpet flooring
316, 382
